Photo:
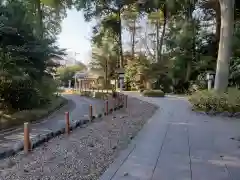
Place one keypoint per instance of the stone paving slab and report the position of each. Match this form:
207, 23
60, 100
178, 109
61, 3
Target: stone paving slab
172, 167
178, 144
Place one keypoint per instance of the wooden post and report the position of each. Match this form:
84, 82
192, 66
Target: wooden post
95, 111
106, 108
67, 129
126, 101
120, 99
117, 100
90, 113
26, 138
114, 103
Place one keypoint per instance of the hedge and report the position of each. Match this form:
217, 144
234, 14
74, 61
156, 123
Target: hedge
36, 114
98, 95
211, 101
153, 93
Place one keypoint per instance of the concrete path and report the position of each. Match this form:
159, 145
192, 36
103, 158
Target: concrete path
78, 108
178, 144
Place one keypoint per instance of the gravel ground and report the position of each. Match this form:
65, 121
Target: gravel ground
83, 155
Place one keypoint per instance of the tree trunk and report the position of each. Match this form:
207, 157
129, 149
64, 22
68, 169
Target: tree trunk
40, 17
133, 38
120, 40
189, 71
218, 25
193, 48
157, 40
225, 45
163, 32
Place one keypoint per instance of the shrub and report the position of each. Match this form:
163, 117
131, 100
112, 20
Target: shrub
100, 95
19, 117
86, 93
217, 102
133, 89
153, 93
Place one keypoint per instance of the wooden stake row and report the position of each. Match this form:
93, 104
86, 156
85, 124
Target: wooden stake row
121, 100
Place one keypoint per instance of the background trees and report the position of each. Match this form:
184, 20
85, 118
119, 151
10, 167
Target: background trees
26, 63
181, 40
67, 73
170, 44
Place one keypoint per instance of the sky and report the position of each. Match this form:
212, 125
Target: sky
75, 35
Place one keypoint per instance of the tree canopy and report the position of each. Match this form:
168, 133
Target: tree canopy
170, 45
26, 58
180, 39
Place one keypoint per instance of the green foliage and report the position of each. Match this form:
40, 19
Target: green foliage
153, 93
101, 95
26, 67
189, 47
98, 95
67, 73
86, 93
139, 65
32, 115
216, 102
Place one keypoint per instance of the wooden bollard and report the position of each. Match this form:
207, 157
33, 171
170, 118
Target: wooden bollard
27, 143
106, 108
113, 104
121, 99
67, 129
116, 103
126, 101
90, 112
118, 100
95, 111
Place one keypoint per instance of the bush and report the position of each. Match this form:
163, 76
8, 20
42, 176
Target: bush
141, 88
153, 93
19, 95
211, 101
133, 89
19, 117
86, 93
98, 95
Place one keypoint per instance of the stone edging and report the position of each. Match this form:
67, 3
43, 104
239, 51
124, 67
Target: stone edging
40, 139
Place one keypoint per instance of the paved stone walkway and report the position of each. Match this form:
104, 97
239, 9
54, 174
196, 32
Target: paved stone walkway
79, 109
178, 144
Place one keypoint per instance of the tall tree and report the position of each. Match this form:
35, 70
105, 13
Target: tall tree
131, 17
109, 12
25, 58
225, 44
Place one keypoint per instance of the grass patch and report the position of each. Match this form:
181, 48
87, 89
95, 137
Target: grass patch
153, 93
211, 101
18, 118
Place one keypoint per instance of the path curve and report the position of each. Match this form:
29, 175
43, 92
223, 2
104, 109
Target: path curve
78, 107
179, 144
